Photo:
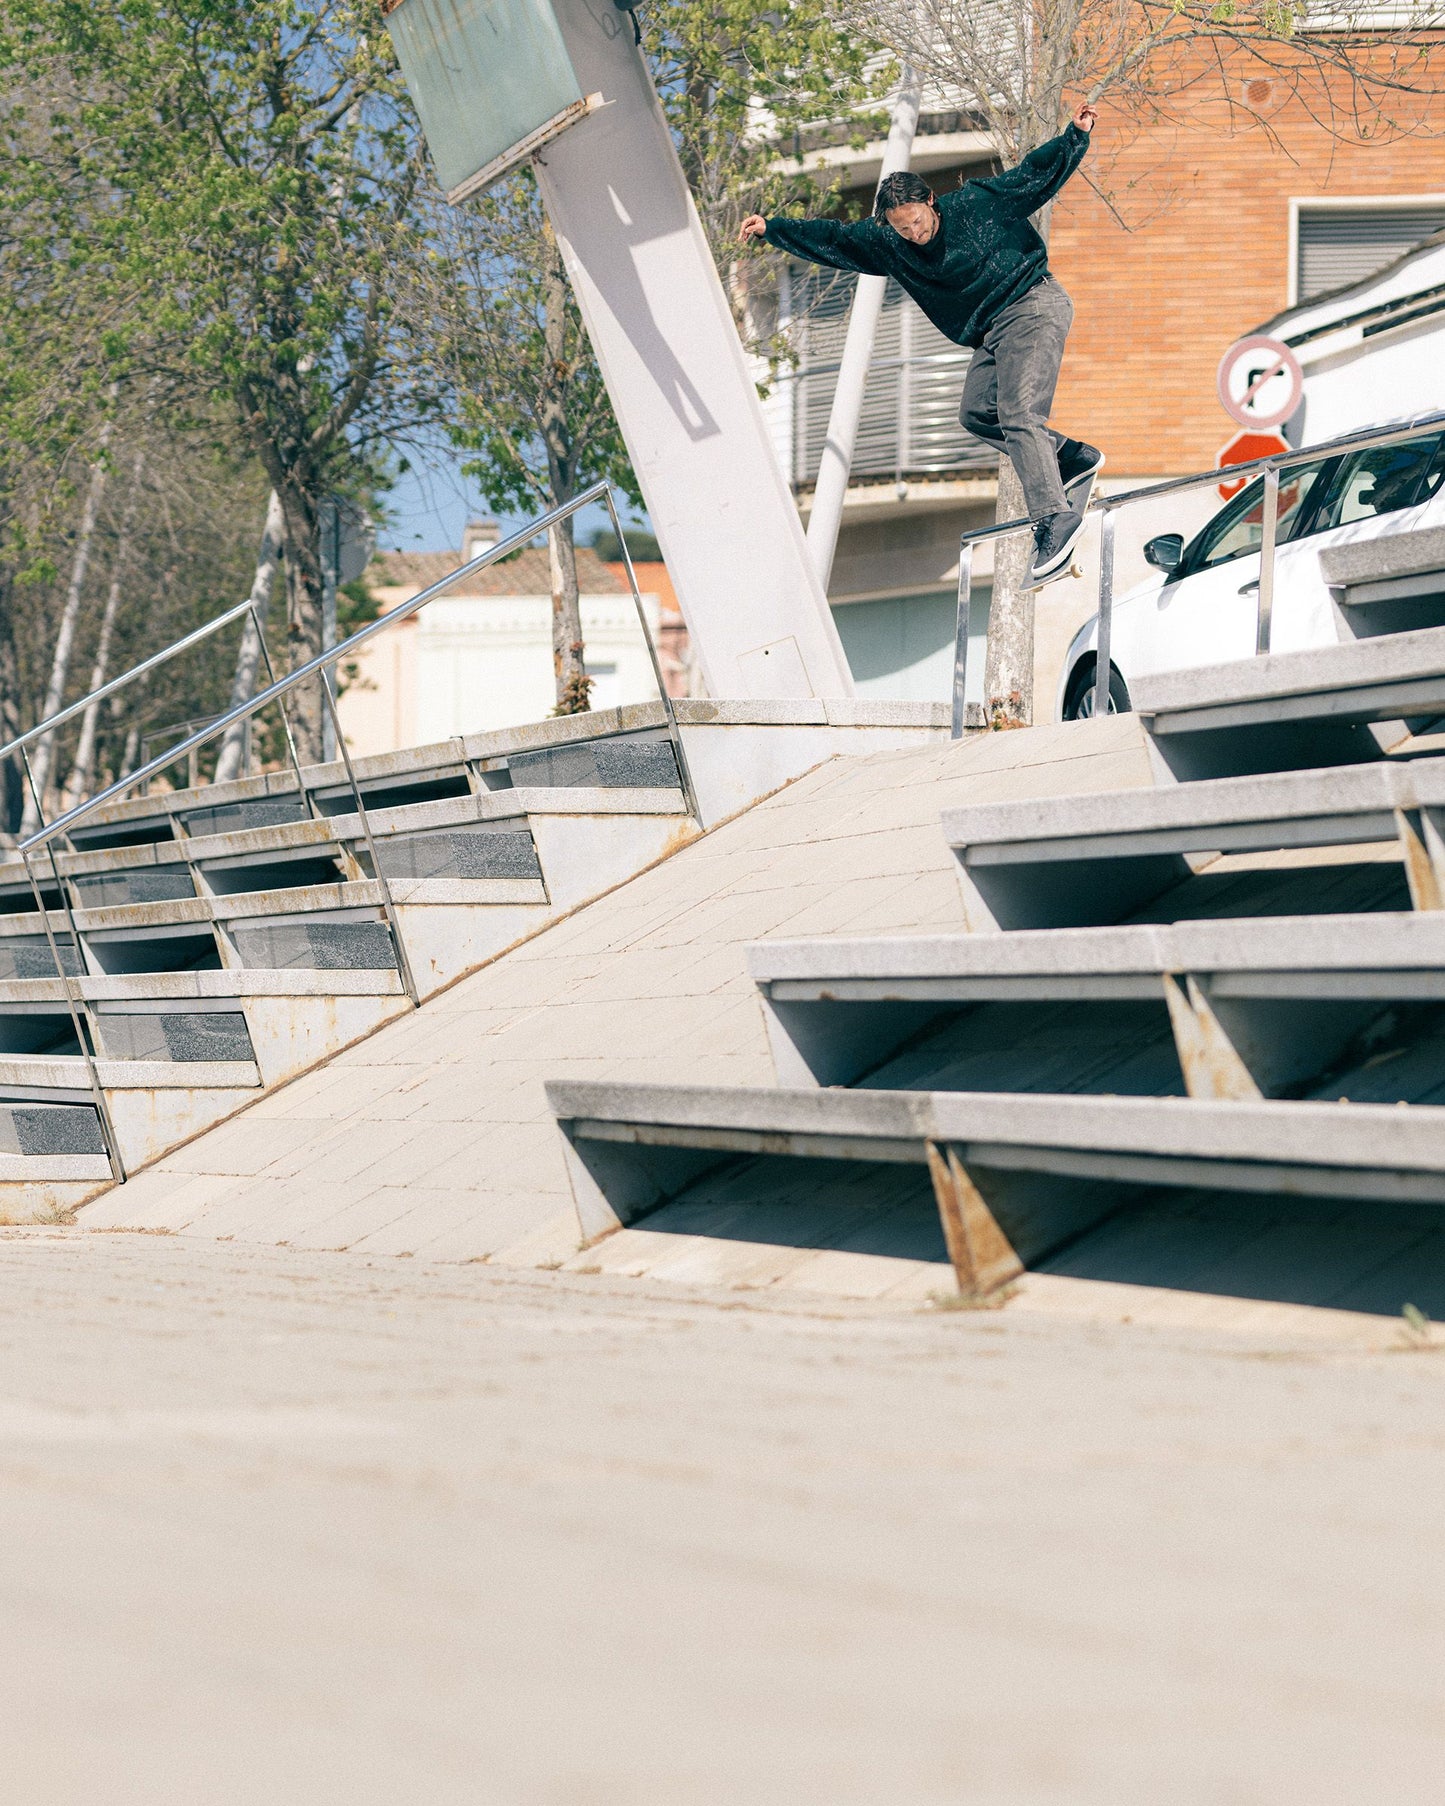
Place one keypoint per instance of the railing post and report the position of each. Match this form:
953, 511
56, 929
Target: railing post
960, 636
674, 732
1269, 532
1106, 612
79, 1013
285, 718
392, 920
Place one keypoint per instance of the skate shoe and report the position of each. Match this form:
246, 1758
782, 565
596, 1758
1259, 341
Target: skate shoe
1055, 537
1079, 465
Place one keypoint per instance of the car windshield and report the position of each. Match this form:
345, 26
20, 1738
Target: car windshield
1384, 479
1239, 528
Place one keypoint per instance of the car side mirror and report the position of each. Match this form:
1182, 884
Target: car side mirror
1166, 551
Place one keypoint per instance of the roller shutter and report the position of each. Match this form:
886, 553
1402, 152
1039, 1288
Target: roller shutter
1339, 246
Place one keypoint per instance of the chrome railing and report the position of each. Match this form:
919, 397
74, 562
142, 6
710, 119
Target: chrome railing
22, 742
193, 758
277, 689
1108, 506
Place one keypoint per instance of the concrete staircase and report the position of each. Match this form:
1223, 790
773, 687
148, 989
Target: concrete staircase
235, 936
1230, 983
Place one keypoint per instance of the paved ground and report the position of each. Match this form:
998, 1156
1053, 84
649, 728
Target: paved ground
293, 1526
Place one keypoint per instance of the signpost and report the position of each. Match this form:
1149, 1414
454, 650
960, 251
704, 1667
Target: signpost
1260, 386
491, 80
1260, 381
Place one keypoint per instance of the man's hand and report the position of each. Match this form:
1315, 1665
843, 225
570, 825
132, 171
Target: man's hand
754, 226
1084, 119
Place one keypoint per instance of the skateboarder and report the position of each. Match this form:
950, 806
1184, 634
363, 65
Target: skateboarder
979, 270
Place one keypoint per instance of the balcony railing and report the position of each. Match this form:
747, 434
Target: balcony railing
909, 425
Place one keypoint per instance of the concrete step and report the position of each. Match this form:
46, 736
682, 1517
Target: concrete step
29, 955
438, 771
30, 1129
315, 946
1087, 860
1318, 1006
66, 1077
1388, 584
143, 884
607, 764
1332, 705
739, 751
179, 1052
1013, 1178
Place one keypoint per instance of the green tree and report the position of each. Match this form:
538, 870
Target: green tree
253, 169
745, 91
508, 341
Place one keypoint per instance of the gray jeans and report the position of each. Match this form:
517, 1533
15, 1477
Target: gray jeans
1009, 391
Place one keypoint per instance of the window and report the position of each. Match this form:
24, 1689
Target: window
1238, 529
1336, 247
909, 422
1385, 479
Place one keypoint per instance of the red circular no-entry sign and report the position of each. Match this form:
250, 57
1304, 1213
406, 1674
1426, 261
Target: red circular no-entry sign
1260, 381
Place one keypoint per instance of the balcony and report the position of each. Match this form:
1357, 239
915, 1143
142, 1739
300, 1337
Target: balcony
909, 426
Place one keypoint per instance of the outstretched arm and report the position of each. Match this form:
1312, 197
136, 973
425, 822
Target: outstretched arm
828, 241
1035, 181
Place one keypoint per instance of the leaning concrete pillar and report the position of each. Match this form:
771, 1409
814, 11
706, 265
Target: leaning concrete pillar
684, 397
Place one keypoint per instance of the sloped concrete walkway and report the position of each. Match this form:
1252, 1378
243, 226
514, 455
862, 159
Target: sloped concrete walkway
433, 1137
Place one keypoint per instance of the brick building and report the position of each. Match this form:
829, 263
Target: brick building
1247, 232
1236, 228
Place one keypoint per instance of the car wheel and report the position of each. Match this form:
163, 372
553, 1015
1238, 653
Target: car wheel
1079, 701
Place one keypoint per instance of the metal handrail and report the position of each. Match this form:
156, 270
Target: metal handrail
1107, 506
61, 716
320, 666
148, 739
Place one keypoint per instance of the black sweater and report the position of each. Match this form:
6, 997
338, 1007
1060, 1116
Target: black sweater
983, 256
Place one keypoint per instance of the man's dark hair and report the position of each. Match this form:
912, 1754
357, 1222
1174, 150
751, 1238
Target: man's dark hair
898, 190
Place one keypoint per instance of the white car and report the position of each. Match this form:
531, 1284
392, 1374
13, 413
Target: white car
1201, 608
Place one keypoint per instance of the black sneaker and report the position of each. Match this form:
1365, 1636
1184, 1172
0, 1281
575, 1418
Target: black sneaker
1055, 537
1079, 464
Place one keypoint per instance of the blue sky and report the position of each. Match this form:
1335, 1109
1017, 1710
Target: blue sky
429, 508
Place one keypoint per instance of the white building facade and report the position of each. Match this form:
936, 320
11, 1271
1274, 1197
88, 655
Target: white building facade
481, 657
1371, 352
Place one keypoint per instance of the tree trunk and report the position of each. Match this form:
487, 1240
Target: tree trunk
12, 781
248, 659
1008, 678
43, 757
305, 614
78, 785
1008, 674
574, 686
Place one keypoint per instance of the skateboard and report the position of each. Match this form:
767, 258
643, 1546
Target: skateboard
1072, 570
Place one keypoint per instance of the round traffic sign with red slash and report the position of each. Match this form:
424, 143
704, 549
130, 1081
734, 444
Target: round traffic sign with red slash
1260, 381
1243, 448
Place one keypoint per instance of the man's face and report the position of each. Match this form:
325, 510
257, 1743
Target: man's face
917, 221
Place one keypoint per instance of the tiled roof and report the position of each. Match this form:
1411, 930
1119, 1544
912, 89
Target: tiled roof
528, 574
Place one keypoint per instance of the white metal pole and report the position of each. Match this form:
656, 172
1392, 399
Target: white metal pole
837, 458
